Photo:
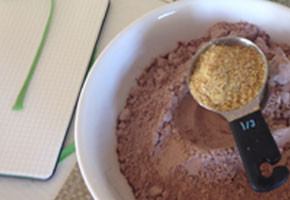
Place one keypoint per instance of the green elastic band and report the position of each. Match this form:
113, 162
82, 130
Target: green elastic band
70, 149
20, 98
94, 56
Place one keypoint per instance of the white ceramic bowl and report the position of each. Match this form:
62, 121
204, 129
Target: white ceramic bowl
107, 86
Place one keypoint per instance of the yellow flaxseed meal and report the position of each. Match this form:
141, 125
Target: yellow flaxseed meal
226, 78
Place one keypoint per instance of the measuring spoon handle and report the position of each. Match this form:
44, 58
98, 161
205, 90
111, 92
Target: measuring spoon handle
257, 145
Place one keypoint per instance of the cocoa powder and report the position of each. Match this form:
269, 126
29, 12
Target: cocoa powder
170, 148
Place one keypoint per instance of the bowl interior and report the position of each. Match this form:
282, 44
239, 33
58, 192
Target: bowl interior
114, 73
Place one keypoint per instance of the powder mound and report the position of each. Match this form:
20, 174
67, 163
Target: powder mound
170, 148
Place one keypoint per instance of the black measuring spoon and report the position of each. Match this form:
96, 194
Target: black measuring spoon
253, 137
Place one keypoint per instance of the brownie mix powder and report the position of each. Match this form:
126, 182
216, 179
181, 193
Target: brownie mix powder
171, 148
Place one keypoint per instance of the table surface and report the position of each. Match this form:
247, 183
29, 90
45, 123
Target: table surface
67, 182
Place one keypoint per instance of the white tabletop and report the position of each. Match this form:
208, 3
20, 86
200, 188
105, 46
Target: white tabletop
121, 13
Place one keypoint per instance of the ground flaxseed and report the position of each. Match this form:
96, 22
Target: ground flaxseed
227, 77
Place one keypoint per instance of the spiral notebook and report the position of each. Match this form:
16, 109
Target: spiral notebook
31, 138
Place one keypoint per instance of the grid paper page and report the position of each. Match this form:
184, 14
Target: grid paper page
30, 139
